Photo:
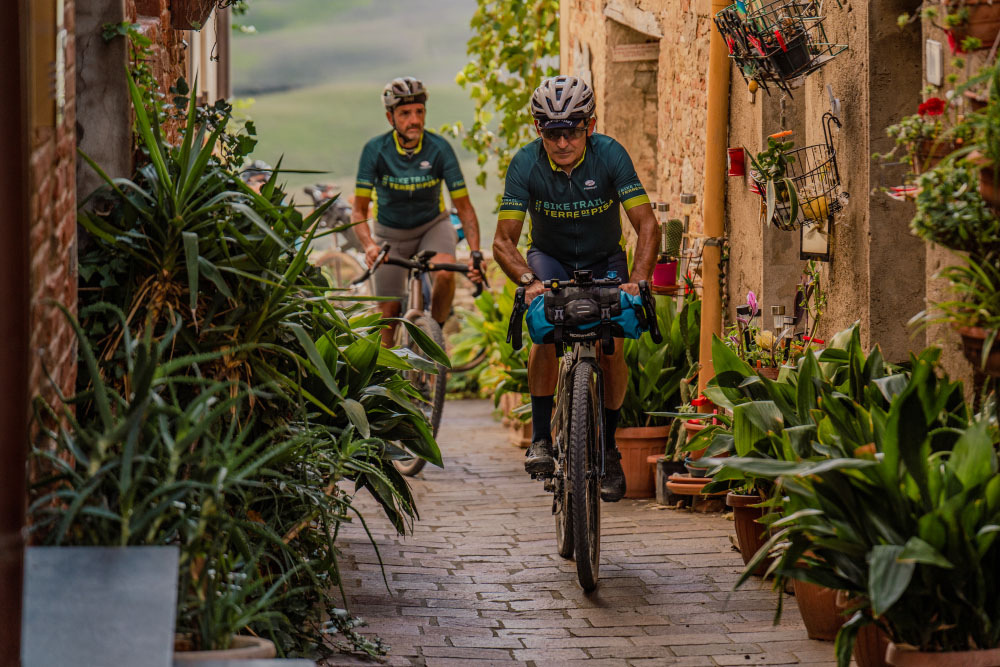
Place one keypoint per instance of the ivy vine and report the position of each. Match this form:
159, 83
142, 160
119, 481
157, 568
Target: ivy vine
515, 44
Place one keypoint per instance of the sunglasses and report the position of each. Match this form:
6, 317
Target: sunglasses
568, 133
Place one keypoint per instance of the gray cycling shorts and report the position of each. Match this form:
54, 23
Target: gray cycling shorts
437, 235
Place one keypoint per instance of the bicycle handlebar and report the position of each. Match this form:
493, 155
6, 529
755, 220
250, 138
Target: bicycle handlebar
514, 327
423, 264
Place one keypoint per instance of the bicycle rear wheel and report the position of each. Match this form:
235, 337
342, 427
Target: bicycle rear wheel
431, 387
584, 479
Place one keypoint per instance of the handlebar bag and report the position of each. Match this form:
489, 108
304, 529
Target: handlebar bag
578, 312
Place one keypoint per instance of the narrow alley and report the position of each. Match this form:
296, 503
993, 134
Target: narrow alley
480, 582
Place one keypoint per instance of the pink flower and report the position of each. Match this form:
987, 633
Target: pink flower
752, 302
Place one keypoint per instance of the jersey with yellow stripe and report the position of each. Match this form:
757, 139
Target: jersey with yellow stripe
407, 185
574, 217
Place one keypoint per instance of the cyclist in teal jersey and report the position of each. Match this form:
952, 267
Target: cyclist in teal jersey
399, 186
570, 183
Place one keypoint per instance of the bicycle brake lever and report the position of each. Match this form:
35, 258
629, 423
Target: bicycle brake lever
477, 264
649, 306
514, 333
371, 269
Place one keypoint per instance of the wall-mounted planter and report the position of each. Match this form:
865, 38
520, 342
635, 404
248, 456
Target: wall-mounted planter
983, 22
973, 339
775, 42
190, 14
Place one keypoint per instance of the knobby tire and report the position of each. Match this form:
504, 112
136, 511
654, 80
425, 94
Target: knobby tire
561, 498
585, 506
431, 387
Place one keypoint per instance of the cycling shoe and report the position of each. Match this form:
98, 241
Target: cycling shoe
613, 483
540, 458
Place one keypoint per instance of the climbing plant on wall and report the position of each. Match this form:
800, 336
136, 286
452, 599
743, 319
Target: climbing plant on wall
515, 44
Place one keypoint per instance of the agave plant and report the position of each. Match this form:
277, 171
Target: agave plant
187, 253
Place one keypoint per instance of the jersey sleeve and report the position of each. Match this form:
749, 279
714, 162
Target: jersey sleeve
452, 173
514, 203
626, 181
366, 171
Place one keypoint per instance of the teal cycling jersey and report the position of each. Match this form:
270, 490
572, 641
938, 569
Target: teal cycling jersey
407, 185
573, 217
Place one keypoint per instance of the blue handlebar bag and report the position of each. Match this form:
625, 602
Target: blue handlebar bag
580, 313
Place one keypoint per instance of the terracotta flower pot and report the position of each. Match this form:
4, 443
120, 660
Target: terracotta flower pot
520, 433
871, 642
870, 647
989, 185
818, 607
983, 23
929, 153
973, 339
190, 14
750, 535
637, 444
692, 428
769, 373
242, 648
902, 657
688, 486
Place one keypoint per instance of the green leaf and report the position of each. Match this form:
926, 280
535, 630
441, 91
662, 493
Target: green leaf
888, 577
424, 342
356, 413
191, 260
917, 551
973, 459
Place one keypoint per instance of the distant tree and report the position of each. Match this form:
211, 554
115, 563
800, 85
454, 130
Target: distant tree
514, 46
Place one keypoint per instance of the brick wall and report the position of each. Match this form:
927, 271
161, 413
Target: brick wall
52, 210
170, 53
53, 178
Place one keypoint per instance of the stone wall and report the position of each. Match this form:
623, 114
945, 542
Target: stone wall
880, 274
653, 104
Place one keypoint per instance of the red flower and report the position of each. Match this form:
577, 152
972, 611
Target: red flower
700, 401
932, 107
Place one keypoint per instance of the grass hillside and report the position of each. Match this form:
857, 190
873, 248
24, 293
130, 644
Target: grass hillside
316, 69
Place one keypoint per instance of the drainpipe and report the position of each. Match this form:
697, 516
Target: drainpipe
715, 195
14, 355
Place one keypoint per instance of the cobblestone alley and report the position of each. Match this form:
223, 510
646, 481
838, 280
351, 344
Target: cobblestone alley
479, 581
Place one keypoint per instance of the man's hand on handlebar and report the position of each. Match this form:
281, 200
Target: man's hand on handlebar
630, 288
477, 266
371, 252
534, 289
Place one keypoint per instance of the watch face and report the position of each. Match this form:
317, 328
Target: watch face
526, 278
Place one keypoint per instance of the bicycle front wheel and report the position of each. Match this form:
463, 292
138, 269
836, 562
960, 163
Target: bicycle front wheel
430, 386
584, 473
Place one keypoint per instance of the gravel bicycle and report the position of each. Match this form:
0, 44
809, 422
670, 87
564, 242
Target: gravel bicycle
578, 425
431, 384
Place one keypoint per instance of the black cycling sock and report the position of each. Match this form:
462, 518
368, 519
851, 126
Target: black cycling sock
610, 424
541, 417
441, 324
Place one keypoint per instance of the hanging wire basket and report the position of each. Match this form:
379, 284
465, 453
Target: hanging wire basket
777, 42
815, 176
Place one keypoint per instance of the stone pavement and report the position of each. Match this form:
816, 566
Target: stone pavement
479, 580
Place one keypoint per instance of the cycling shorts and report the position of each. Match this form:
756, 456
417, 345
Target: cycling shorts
437, 235
547, 267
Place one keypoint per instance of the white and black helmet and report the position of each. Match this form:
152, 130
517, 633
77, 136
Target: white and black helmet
403, 90
563, 101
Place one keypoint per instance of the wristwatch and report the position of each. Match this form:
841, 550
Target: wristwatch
527, 278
